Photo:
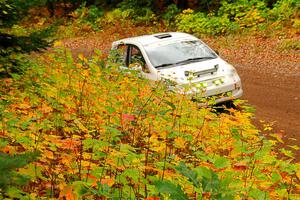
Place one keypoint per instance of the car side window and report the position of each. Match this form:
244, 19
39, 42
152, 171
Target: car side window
136, 58
122, 54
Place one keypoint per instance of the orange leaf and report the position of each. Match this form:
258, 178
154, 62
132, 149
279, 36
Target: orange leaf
107, 181
67, 194
153, 198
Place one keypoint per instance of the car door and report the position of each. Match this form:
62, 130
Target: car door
136, 59
121, 54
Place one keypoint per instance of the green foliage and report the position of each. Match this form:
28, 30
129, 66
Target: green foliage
245, 13
14, 47
89, 16
173, 191
208, 17
296, 23
135, 4
289, 44
170, 14
237, 15
8, 12
142, 15
285, 10
108, 133
13, 10
200, 23
17, 41
191, 175
9, 176
24, 5
139, 12
207, 181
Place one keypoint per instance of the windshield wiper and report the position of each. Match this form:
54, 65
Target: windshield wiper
164, 65
185, 61
195, 59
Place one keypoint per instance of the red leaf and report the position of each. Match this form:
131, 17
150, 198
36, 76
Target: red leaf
153, 198
128, 117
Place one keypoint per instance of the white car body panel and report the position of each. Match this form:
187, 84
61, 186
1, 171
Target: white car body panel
230, 81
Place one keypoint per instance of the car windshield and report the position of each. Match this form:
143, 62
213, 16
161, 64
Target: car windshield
182, 52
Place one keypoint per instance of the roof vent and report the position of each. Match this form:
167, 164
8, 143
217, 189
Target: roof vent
162, 36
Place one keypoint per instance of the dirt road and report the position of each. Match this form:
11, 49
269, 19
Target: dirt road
270, 76
271, 81
276, 99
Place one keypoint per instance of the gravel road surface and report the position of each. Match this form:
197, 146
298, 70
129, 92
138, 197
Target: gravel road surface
271, 81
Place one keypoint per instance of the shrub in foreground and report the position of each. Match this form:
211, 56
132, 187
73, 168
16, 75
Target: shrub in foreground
109, 134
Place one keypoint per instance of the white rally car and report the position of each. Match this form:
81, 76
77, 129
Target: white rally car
184, 60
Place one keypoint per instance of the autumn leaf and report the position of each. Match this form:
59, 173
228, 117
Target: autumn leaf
68, 194
240, 166
179, 142
152, 198
108, 181
80, 126
128, 117
57, 43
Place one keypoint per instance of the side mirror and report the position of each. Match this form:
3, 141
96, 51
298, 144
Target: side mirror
136, 67
217, 52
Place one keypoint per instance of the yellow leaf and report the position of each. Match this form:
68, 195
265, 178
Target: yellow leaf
67, 129
80, 126
179, 142
136, 161
268, 128
86, 155
81, 56
278, 137
57, 43
85, 73
295, 147
24, 106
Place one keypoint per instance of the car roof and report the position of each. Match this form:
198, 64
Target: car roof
157, 38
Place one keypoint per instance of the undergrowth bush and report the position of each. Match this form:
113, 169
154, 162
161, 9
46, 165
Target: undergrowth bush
223, 18
200, 23
170, 14
238, 15
88, 16
285, 10
245, 13
9, 176
110, 134
139, 12
289, 44
137, 16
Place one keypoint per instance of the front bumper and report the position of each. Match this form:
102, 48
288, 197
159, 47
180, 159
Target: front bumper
218, 94
237, 93
220, 98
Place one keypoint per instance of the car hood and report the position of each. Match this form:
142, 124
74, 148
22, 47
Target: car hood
194, 72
